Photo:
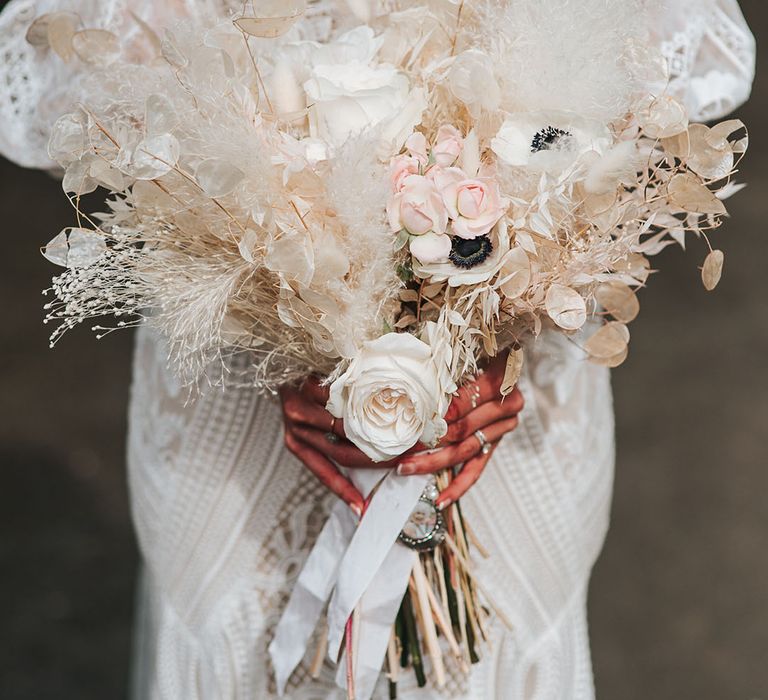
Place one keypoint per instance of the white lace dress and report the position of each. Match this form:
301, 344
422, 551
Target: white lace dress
226, 516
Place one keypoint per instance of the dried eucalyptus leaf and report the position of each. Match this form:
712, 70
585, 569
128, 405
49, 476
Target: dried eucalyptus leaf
724, 129
566, 307
247, 245
61, 29
405, 321
512, 371
678, 146
613, 361
409, 295
266, 27
171, 53
609, 341
107, 176
218, 177
275, 17
154, 157
57, 249
687, 192
431, 289
489, 342
712, 270
77, 178
515, 273
741, 145
37, 33
96, 45
619, 300
711, 155
85, 247
663, 117
234, 332
160, 115
75, 247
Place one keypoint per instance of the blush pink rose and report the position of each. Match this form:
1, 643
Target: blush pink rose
417, 207
448, 146
474, 204
416, 145
400, 169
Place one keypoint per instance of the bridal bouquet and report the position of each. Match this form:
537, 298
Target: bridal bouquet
387, 201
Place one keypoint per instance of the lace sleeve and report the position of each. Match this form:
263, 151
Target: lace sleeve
36, 86
28, 88
711, 54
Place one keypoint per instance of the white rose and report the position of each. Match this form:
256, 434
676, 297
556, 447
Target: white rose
354, 97
394, 394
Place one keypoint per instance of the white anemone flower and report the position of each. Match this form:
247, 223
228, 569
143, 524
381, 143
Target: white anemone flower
548, 141
456, 275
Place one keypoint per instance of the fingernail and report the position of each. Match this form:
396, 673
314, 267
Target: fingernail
444, 504
357, 510
405, 469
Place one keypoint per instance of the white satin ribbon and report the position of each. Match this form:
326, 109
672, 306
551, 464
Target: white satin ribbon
374, 540
310, 594
363, 567
378, 610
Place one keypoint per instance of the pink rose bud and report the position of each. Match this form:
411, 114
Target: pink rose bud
448, 146
400, 169
470, 200
416, 145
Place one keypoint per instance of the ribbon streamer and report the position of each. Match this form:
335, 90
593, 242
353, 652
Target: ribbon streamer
310, 594
363, 567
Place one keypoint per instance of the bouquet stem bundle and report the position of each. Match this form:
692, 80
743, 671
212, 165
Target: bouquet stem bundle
441, 618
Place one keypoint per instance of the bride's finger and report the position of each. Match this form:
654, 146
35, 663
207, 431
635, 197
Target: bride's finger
451, 455
465, 479
487, 387
342, 452
326, 472
484, 415
299, 409
315, 391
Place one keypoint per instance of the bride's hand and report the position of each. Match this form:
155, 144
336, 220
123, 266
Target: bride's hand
308, 427
478, 406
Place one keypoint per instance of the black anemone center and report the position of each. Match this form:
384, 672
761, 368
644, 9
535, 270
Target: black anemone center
546, 138
468, 252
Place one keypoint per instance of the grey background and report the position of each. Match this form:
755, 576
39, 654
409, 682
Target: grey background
679, 597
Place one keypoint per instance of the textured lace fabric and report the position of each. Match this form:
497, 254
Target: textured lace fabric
711, 55
226, 516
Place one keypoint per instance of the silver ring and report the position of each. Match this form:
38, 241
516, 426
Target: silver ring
332, 438
474, 396
485, 446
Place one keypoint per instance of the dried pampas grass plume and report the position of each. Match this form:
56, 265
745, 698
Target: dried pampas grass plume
562, 55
